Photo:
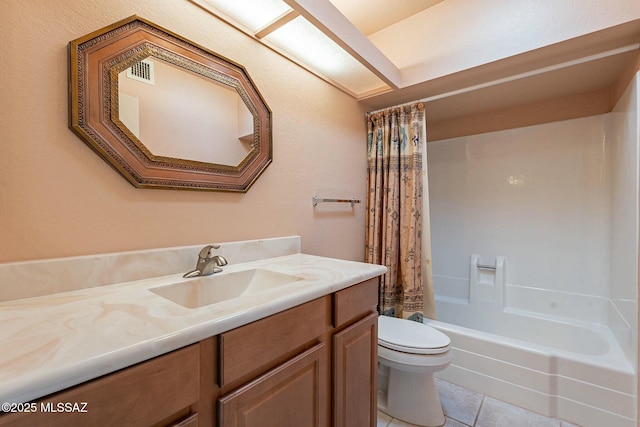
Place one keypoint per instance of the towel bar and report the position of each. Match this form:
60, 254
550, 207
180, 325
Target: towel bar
316, 200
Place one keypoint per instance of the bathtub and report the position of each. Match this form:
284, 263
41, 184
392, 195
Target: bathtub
569, 370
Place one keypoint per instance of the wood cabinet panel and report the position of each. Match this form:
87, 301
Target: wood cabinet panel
254, 348
209, 391
142, 395
288, 369
354, 302
355, 358
293, 394
189, 421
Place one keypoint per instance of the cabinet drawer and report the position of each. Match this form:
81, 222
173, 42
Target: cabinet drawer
141, 395
251, 349
355, 302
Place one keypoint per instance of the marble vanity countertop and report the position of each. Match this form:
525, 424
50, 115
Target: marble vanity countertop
49, 343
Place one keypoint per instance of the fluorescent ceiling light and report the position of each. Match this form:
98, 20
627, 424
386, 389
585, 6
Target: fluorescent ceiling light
277, 25
313, 48
250, 13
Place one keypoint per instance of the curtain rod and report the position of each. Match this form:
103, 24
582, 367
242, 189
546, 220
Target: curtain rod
531, 73
395, 106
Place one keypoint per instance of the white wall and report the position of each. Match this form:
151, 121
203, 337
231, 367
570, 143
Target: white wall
542, 197
624, 140
58, 198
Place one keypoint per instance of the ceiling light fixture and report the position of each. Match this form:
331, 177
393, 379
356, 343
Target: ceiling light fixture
311, 35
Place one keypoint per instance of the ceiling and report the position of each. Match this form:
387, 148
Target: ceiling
371, 16
327, 37
357, 67
576, 74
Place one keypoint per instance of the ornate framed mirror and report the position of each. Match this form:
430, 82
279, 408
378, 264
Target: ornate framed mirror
165, 112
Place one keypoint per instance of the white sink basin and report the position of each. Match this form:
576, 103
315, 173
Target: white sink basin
219, 287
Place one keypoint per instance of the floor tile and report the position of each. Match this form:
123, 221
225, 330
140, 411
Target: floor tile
458, 402
398, 423
383, 419
453, 423
495, 413
466, 408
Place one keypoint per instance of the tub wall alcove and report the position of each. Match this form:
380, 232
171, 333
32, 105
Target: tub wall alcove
559, 201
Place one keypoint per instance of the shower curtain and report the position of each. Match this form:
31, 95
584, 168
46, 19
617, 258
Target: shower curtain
397, 222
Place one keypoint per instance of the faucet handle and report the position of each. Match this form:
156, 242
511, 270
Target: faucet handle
206, 251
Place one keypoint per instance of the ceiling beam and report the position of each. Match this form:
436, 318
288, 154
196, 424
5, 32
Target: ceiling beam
277, 23
328, 19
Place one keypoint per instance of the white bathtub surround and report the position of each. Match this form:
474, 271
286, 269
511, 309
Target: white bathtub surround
557, 369
51, 342
537, 196
486, 281
559, 202
624, 142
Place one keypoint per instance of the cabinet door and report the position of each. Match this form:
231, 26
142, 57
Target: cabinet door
355, 358
294, 394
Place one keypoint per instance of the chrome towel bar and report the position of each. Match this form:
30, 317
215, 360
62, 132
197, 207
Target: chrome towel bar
486, 267
316, 200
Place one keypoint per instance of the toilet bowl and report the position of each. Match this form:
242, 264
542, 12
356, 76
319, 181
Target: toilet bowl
409, 353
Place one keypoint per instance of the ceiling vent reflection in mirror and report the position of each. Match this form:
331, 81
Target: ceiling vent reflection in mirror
202, 125
142, 71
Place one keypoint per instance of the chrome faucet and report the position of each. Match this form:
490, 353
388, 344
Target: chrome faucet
207, 262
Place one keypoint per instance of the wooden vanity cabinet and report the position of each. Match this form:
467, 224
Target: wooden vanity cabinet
355, 355
275, 372
160, 392
313, 365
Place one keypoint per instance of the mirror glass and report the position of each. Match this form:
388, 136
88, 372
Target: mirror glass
167, 113
176, 113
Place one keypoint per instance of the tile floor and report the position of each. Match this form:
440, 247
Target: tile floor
466, 408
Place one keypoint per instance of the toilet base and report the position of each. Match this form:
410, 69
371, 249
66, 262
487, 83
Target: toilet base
410, 397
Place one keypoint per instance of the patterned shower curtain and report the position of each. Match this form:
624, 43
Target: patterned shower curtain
394, 222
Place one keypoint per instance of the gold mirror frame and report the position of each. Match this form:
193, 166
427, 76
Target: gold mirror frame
95, 62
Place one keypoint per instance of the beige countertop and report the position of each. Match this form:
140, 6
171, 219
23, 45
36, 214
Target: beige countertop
53, 342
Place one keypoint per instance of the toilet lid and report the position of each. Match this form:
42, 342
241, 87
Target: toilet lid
410, 337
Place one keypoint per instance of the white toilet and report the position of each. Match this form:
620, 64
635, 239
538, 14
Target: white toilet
409, 353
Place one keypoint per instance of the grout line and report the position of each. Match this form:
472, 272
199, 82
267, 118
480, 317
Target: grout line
479, 409
464, 423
